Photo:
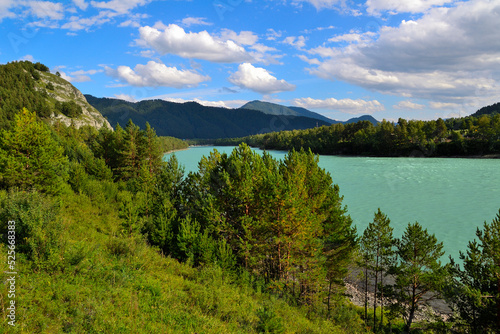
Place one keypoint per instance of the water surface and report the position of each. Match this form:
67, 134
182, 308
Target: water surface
450, 197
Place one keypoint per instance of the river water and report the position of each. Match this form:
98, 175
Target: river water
450, 197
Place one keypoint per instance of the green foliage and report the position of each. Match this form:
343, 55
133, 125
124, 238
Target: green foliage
376, 247
30, 158
476, 292
282, 220
37, 230
269, 322
418, 272
454, 137
192, 120
68, 108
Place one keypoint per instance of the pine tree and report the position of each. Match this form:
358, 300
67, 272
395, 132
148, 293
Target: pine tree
376, 248
477, 296
419, 274
31, 158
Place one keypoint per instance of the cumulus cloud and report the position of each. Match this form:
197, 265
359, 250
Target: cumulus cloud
448, 55
408, 105
349, 106
155, 74
201, 45
259, 80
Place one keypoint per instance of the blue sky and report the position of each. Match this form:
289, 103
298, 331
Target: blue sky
416, 59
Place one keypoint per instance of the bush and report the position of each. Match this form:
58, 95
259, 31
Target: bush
37, 228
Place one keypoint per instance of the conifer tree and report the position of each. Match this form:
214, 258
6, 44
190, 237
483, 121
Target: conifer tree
478, 295
376, 247
419, 274
30, 157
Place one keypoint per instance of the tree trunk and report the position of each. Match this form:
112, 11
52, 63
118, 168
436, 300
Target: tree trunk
382, 300
375, 296
366, 293
498, 305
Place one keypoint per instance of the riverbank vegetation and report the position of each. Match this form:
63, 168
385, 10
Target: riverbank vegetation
111, 238
476, 135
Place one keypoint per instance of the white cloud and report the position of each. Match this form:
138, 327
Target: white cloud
449, 55
444, 106
220, 104
319, 4
259, 80
155, 74
119, 6
125, 97
47, 9
173, 39
353, 37
408, 105
76, 23
5, 5
28, 58
375, 7
349, 106
297, 42
273, 35
77, 78
81, 4
134, 20
243, 38
192, 21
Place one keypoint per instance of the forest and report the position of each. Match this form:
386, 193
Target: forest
475, 135
111, 238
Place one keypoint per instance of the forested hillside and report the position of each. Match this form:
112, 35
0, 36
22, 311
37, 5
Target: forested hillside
27, 85
107, 237
191, 120
468, 136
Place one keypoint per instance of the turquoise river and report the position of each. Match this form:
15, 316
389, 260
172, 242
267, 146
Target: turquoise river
450, 197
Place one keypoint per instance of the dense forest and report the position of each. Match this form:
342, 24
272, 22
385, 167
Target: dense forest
191, 120
467, 136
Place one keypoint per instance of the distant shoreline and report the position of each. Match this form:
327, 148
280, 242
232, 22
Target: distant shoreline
177, 150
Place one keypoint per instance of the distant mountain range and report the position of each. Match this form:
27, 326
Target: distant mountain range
191, 120
276, 109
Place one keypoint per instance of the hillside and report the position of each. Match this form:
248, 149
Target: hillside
276, 109
191, 120
488, 110
27, 85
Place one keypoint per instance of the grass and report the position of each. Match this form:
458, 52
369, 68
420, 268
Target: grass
107, 283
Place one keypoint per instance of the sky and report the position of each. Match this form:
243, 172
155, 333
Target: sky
414, 59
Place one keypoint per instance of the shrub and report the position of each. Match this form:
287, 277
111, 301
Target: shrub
37, 228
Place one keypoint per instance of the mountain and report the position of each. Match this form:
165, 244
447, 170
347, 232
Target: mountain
191, 120
362, 118
276, 109
27, 85
488, 110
